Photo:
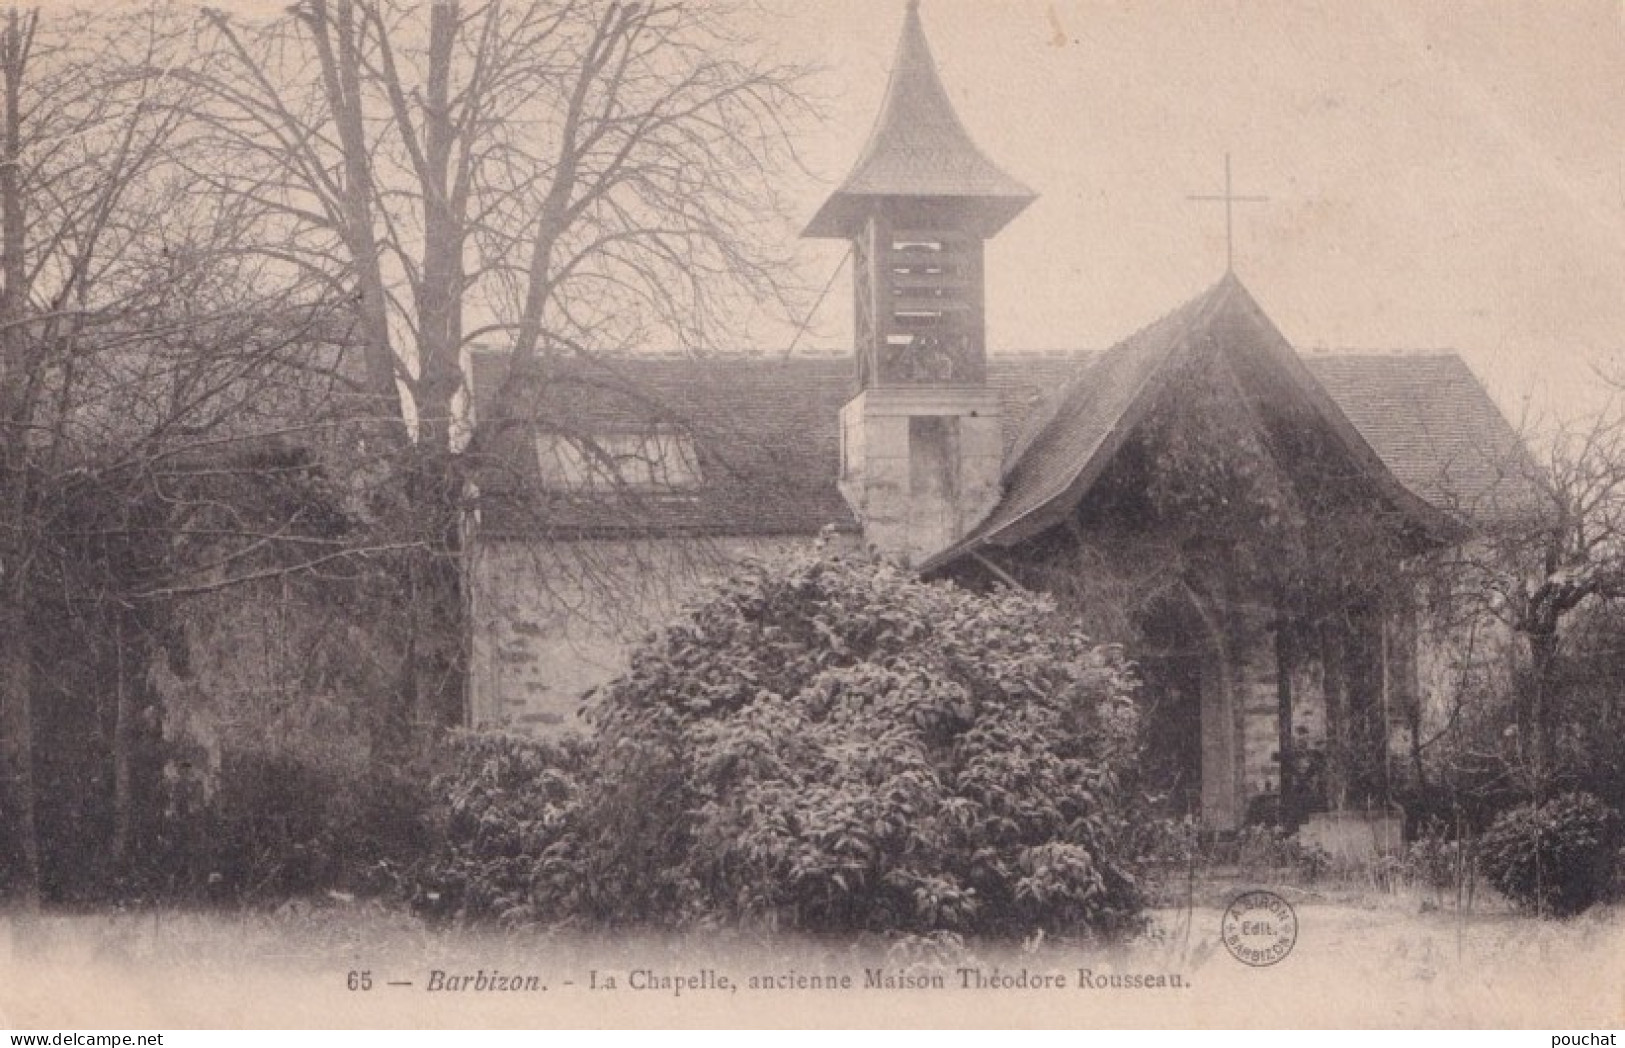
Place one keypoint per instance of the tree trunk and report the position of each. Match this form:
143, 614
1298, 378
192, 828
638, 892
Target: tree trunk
1366, 713
430, 694
445, 233
440, 668
1538, 727
17, 729
16, 678
440, 622
124, 726
334, 32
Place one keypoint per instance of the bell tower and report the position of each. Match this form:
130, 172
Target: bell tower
922, 442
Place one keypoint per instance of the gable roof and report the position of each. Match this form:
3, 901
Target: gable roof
1066, 448
919, 149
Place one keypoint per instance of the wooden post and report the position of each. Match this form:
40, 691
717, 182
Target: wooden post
1285, 658
1335, 667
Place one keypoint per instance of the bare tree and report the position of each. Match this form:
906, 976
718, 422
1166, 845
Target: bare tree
74, 144
557, 176
1550, 544
138, 348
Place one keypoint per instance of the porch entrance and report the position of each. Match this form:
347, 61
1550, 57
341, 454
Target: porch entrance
1190, 752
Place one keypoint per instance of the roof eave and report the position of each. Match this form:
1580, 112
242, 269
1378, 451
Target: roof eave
1437, 524
919, 149
844, 215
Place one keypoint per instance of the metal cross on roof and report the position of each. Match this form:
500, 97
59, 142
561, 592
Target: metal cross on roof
1230, 199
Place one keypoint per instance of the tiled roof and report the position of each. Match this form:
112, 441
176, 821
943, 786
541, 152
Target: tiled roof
1068, 442
766, 429
766, 432
1431, 421
920, 149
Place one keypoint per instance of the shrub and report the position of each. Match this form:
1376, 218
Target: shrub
280, 825
1437, 859
503, 824
837, 746
1272, 848
1556, 857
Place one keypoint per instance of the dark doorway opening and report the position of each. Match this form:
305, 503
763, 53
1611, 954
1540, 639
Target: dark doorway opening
1190, 744
1171, 685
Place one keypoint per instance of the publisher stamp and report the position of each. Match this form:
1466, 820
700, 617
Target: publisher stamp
1259, 928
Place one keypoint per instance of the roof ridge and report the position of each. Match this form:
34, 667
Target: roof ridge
1040, 420
815, 353
995, 355
1368, 352
764, 354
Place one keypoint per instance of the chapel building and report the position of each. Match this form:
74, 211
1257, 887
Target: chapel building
1246, 520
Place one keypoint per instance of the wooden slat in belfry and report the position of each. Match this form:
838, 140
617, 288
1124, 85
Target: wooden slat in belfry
906, 282
949, 237
928, 304
915, 249
926, 320
924, 248
899, 274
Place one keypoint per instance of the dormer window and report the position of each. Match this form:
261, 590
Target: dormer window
653, 460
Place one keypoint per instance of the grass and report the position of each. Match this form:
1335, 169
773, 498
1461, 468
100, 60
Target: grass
1364, 958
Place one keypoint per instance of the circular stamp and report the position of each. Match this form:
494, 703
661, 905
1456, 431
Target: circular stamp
1259, 928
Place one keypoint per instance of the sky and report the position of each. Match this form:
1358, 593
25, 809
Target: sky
1446, 176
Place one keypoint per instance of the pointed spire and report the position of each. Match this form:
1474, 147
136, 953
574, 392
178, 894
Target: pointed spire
919, 149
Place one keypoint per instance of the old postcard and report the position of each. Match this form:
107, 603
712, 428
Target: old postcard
930, 513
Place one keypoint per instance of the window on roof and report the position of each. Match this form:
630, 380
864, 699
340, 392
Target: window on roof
652, 460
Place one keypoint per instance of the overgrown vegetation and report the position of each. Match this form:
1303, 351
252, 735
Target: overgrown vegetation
505, 823
1555, 858
828, 746
225, 235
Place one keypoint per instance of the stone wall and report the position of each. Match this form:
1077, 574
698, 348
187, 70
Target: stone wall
1256, 675
920, 467
1259, 710
553, 621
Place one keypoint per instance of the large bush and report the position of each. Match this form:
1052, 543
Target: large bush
836, 746
1557, 857
504, 826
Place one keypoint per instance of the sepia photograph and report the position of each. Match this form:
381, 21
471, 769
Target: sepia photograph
1064, 514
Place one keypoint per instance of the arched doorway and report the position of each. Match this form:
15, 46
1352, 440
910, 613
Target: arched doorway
1190, 752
